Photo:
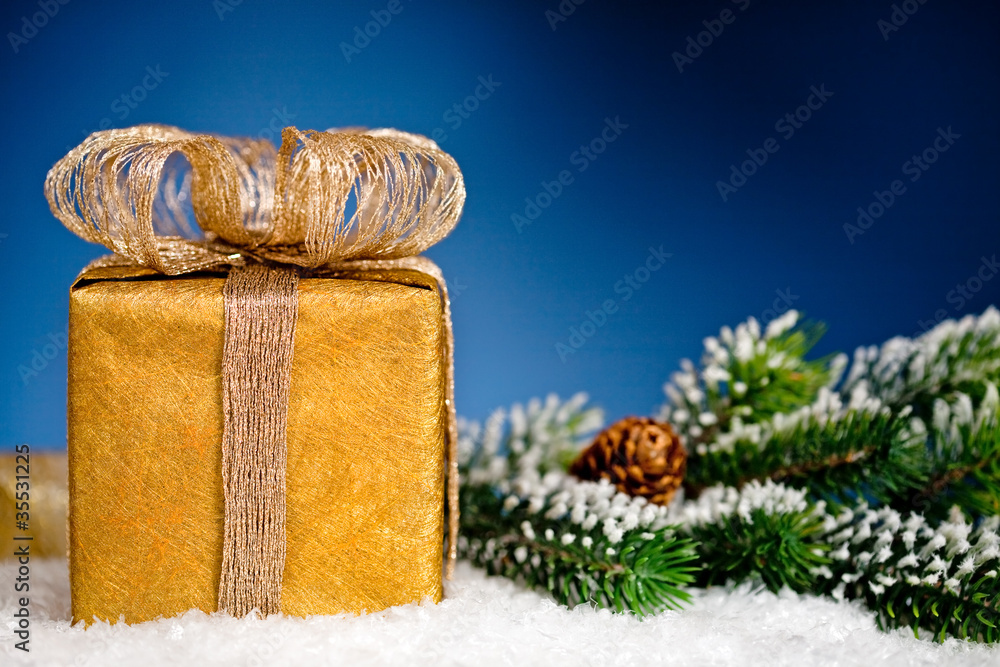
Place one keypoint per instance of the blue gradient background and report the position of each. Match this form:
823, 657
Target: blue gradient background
517, 294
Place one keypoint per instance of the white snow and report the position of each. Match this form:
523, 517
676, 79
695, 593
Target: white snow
483, 621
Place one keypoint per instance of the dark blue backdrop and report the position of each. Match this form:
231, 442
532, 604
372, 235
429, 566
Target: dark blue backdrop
865, 98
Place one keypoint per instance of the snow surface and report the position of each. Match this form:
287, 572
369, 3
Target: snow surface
483, 621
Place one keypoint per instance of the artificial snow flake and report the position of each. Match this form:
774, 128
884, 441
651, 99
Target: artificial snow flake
780, 325
556, 511
967, 566
885, 580
719, 502
933, 545
527, 530
707, 418
840, 554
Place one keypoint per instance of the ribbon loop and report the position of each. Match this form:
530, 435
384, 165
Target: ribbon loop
349, 195
107, 190
324, 198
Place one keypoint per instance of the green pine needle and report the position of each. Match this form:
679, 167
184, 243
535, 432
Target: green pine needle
777, 549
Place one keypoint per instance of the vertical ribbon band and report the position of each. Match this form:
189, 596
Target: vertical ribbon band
261, 306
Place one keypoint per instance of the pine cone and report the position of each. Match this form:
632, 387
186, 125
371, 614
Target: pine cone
640, 456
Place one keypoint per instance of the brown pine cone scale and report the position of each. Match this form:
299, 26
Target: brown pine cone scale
639, 455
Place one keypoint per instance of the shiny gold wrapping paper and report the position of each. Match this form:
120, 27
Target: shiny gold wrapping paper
366, 444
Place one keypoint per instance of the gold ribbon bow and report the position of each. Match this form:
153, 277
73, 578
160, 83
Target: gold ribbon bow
180, 202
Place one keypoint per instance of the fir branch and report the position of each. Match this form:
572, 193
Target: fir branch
965, 455
942, 577
746, 377
916, 425
758, 410
954, 356
762, 532
534, 539
531, 439
836, 451
584, 542
947, 378
878, 446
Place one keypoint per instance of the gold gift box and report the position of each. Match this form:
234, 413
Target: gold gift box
366, 444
